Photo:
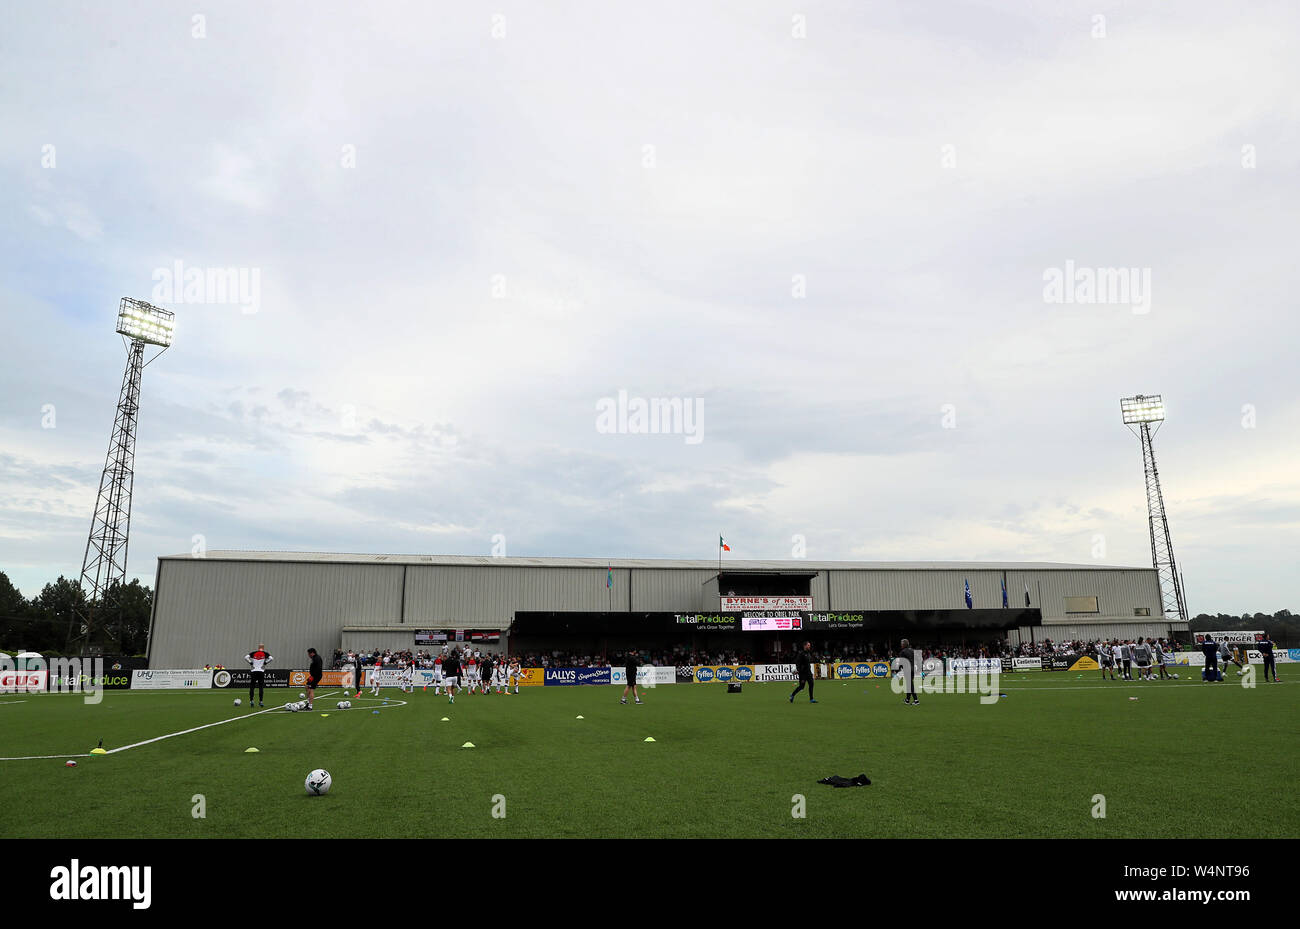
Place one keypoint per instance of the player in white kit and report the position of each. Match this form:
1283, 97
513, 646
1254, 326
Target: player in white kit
437, 675
514, 675
471, 672
374, 677
499, 677
408, 679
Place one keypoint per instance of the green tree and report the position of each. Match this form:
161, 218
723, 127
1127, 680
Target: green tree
122, 626
13, 612
56, 608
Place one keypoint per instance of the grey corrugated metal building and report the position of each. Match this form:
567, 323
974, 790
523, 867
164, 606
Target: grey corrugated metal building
214, 608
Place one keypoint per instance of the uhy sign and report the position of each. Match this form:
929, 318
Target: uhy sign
59, 676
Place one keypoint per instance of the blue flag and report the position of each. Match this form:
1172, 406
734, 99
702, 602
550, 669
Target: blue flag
970, 604
1004, 593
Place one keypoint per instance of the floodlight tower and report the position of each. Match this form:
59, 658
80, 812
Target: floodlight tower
1140, 412
104, 566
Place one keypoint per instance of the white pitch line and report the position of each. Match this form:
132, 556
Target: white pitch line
12, 702
122, 748
1103, 689
220, 722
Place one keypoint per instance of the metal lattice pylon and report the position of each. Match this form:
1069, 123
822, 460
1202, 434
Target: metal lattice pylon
1162, 546
103, 570
105, 561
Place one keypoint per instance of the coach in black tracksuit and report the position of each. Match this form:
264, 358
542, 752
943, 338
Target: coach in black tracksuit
803, 664
906, 661
1211, 650
257, 660
1266, 650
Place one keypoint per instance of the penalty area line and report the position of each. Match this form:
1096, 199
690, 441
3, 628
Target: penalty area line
170, 735
220, 722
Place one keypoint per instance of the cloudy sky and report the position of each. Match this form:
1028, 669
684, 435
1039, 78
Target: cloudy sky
828, 229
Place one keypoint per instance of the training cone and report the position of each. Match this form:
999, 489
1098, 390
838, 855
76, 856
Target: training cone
649, 738
69, 763
1132, 698
324, 714
98, 751
250, 749
468, 745
374, 712
580, 717
445, 719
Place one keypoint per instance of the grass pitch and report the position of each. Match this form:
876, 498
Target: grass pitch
722, 765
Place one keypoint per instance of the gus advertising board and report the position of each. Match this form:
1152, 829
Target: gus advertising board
22, 682
172, 679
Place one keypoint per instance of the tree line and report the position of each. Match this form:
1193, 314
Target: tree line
120, 625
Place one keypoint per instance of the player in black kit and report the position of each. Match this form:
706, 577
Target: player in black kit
803, 664
314, 674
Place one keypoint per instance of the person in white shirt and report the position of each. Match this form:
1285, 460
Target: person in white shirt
514, 675
499, 677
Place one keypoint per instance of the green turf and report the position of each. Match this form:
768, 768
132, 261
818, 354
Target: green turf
722, 765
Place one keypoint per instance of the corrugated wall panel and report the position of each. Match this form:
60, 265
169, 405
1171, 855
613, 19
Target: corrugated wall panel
1118, 593
214, 612
818, 589
907, 590
487, 597
655, 591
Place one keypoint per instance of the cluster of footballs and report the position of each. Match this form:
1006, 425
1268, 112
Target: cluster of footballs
345, 704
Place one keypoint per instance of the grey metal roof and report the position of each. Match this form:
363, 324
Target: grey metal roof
705, 564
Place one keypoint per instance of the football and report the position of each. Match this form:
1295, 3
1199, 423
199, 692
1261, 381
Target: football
318, 782
302, 696
1175, 677
238, 701
291, 707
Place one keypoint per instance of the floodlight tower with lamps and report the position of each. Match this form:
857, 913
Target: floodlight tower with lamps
1140, 412
104, 565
